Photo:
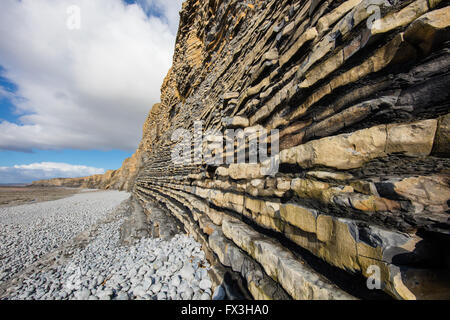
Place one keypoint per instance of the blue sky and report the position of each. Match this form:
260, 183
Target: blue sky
7, 107
93, 158
73, 102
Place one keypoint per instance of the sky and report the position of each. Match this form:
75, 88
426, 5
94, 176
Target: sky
77, 79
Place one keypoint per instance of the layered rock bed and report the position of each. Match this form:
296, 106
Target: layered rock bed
358, 91
361, 108
89, 248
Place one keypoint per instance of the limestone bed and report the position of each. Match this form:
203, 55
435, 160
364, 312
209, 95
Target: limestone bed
73, 249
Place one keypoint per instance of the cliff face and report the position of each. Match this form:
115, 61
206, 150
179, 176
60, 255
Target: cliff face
358, 91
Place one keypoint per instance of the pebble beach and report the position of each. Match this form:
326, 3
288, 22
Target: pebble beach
71, 249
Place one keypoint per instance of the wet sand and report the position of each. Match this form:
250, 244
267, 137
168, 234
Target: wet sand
16, 195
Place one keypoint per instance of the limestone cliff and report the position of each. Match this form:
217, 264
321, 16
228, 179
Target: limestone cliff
358, 91
121, 179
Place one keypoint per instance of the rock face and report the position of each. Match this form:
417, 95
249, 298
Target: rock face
358, 91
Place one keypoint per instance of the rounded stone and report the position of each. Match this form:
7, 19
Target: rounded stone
205, 296
219, 293
205, 284
156, 287
122, 296
187, 272
161, 296
176, 281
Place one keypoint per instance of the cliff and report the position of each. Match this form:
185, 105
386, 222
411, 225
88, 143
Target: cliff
357, 91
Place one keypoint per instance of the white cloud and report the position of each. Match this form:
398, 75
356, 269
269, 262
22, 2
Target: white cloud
89, 88
168, 8
44, 170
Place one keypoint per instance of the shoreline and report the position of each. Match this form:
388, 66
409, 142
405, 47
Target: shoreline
11, 196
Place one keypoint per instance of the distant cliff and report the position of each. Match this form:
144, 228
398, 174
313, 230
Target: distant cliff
358, 91
121, 179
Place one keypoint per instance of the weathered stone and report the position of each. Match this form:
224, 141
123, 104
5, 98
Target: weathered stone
260, 285
300, 217
341, 152
230, 95
412, 139
428, 191
442, 141
221, 171
309, 35
353, 150
324, 22
299, 281
245, 171
235, 122
271, 55
323, 70
430, 30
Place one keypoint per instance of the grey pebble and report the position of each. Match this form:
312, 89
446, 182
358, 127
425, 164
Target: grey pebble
102, 268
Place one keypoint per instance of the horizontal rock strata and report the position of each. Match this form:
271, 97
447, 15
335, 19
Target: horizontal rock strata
358, 91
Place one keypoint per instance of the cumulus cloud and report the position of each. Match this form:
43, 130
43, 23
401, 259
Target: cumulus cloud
168, 10
88, 88
44, 170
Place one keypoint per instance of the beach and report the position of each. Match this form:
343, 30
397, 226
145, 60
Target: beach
92, 246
